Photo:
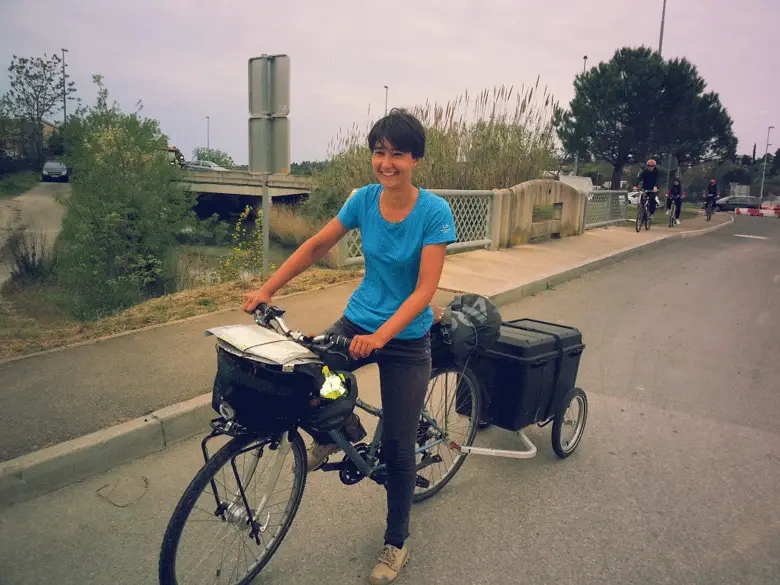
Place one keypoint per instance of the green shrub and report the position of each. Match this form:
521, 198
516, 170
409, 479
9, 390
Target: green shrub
123, 213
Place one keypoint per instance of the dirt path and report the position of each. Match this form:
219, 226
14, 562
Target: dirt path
36, 211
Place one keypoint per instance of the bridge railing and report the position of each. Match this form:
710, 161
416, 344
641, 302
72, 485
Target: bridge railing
604, 208
473, 213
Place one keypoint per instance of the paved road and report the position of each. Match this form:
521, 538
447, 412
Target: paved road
676, 480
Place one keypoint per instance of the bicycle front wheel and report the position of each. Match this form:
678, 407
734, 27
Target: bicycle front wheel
451, 412
235, 513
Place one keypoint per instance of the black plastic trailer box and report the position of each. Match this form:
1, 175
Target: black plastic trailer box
527, 372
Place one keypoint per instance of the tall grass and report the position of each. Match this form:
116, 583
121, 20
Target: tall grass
32, 259
498, 138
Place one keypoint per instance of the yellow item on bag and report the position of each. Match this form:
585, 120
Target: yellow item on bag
334, 385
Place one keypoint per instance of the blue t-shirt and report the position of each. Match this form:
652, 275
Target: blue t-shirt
392, 253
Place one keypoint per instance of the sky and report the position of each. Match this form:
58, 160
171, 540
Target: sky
187, 59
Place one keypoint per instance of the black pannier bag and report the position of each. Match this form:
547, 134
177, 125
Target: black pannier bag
269, 399
470, 323
526, 374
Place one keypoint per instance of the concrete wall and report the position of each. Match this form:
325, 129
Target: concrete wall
514, 212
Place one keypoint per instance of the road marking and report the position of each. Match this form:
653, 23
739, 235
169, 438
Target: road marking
749, 236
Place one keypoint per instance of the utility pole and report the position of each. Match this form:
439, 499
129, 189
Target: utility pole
386, 100
663, 20
763, 173
577, 154
208, 132
64, 90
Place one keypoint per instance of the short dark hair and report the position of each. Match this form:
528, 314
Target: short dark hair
401, 129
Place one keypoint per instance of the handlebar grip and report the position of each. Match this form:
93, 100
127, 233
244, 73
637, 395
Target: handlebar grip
342, 342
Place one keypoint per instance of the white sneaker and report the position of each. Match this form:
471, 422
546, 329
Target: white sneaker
676, 222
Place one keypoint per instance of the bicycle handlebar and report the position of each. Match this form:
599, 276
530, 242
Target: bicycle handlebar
265, 315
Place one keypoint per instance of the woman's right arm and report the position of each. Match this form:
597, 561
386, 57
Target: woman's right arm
311, 251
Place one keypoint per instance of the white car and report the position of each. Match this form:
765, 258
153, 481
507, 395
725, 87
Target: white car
633, 198
203, 165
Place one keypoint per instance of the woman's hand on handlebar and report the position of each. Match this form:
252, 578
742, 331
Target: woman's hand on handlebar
254, 298
363, 345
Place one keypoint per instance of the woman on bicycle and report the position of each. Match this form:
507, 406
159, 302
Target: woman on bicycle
405, 230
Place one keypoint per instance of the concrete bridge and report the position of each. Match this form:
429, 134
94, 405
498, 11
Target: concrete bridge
237, 182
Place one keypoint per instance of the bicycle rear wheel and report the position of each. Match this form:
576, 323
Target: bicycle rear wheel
454, 403
211, 515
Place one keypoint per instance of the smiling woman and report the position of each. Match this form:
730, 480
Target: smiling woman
405, 230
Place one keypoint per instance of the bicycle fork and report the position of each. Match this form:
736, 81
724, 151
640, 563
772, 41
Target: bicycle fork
237, 510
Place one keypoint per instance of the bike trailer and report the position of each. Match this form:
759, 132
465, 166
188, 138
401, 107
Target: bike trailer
527, 372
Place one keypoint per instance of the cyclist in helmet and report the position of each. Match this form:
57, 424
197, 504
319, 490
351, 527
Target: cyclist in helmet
712, 192
649, 180
675, 197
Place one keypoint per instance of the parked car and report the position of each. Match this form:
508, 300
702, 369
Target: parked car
54, 170
202, 165
732, 202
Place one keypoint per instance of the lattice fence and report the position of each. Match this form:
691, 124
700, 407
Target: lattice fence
472, 213
605, 208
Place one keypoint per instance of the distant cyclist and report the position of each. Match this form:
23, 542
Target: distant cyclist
649, 180
712, 192
675, 197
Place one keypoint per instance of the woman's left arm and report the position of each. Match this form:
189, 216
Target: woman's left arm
431, 265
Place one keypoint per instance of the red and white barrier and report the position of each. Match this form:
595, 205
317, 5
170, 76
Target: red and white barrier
758, 212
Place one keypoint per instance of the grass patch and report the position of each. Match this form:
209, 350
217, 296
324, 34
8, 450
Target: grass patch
31, 320
17, 183
544, 213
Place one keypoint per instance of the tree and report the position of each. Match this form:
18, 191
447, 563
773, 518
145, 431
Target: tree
775, 170
638, 105
118, 235
219, 157
609, 116
38, 85
745, 160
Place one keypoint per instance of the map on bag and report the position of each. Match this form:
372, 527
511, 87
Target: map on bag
261, 342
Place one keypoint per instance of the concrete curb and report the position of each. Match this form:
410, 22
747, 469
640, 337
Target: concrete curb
54, 467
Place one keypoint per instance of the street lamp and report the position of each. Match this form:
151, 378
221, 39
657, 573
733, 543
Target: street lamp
386, 100
663, 20
577, 154
763, 173
64, 88
208, 131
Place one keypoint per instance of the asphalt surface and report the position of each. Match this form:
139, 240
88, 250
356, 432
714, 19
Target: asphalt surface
674, 482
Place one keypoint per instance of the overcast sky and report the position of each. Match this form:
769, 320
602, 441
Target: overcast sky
187, 59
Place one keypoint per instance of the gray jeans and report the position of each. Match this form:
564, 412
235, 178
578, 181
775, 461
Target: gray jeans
404, 373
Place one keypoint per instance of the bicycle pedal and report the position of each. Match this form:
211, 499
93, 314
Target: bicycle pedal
331, 466
421, 482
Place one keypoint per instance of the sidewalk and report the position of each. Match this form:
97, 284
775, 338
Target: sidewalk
66, 394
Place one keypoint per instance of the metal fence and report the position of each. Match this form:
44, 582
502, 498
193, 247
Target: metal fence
604, 208
472, 211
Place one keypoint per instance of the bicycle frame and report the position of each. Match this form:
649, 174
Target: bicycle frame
361, 463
